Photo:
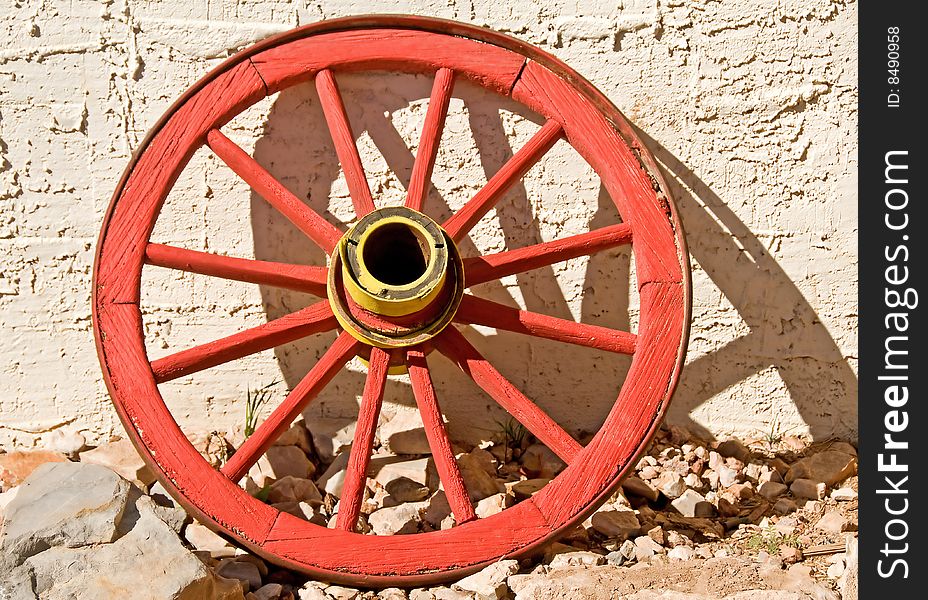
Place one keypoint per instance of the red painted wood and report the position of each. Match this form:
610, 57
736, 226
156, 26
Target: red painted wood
491, 267
301, 278
343, 138
297, 212
432, 129
349, 505
442, 454
515, 168
499, 64
408, 560
456, 347
296, 401
388, 48
479, 311
302, 323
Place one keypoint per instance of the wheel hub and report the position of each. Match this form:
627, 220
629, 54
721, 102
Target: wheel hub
396, 278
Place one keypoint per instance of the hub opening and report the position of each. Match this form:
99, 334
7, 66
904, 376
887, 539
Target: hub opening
396, 254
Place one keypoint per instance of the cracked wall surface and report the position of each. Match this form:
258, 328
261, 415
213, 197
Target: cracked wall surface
749, 107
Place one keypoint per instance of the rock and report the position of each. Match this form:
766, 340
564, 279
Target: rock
734, 448
404, 434
395, 520
492, 505
671, 485
844, 495
120, 456
92, 560
784, 506
832, 522
404, 489
681, 553
715, 460
619, 524
807, 488
5, 498
728, 508
577, 558
741, 491
16, 466
438, 509
658, 535
836, 569
790, 554
645, 548
528, 487
828, 467
256, 561
649, 472
67, 442
342, 593
271, 591
203, 538
439, 593
331, 436
479, 483
312, 591
62, 504
490, 583
539, 461
288, 461
391, 594
692, 480
848, 582
385, 469
639, 487
844, 447
297, 436
333, 478
693, 504
772, 490
294, 489
243, 571
727, 476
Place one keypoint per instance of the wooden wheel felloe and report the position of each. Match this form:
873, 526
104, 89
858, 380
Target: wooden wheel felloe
394, 317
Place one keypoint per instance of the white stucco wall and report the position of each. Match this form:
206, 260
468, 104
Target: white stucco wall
749, 106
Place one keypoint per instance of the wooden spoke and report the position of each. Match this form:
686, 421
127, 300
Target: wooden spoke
515, 168
495, 266
278, 421
479, 311
301, 278
442, 454
343, 138
312, 319
323, 233
455, 346
430, 139
356, 474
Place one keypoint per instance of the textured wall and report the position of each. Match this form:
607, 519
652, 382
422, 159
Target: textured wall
749, 106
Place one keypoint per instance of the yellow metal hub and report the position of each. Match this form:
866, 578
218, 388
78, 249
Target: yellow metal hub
395, 279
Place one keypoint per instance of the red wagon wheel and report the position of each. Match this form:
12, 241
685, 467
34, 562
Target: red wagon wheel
394, 310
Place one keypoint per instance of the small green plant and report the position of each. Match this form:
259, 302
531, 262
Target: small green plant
512, 433
770, 539
254, 401
775, 435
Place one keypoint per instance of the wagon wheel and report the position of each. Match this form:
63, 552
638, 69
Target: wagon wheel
395, 310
